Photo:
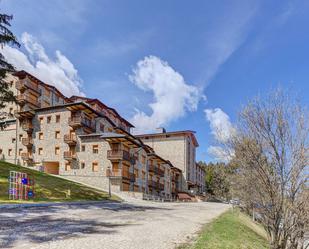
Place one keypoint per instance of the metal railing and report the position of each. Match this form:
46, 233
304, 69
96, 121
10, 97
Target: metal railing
118, 155
69, 155
69, 138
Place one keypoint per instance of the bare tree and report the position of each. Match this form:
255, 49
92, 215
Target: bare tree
270, 148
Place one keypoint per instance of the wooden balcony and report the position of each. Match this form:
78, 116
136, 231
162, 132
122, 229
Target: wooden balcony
79, 121
114, 172
116, 155
27, 141
26, 156
21, 99
70, 139
27, 126
24, 98
23, 84
69, 155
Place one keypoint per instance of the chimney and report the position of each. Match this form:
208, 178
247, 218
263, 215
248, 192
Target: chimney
161, 130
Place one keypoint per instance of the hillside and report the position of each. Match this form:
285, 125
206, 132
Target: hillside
50, 188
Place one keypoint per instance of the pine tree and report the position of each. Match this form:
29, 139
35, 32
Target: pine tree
6, 38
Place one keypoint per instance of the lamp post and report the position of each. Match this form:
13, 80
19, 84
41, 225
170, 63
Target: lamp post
109, 181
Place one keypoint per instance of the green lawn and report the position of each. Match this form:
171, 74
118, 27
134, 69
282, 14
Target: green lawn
232, 230
50, 188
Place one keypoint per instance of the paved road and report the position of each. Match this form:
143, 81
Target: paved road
137, 225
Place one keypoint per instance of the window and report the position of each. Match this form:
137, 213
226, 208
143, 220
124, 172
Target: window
57, 134
82, 165
95, 149
95, 167
57, 118
48, 119
40, 135
102, 127
67, 166
83, 148
10, 152
41, 120
0, 151
57, 150
11, 110
20, 151
13, 140
20, 137
40, 151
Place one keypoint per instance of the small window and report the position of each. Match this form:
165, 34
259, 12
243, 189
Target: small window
67, 166
83, 148
82, 165
102, 127
40, 151
95, 149
0, 151
95, 167
13, 140
20, 151
11, 110
10, 152
48, 119
57, 150
40, 135
57, 134
57, 118
20, 137
41, 119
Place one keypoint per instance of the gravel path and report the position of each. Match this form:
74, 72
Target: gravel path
138, 225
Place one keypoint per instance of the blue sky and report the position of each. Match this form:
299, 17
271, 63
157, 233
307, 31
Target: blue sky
163, 63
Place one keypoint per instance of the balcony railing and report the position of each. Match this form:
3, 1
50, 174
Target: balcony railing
70, 139
27, 141
114, 172
69, 155
79, 121
26, 83
25, 98
26, 156
27, 126
118, 155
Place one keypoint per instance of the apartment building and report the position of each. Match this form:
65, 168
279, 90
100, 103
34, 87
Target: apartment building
179, 148
81, 139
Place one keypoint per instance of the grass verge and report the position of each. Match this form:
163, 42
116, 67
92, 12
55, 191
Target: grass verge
232, 230
49, 188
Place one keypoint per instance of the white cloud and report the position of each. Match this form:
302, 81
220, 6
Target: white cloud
59, 72
220, 124
173, 97
222, 130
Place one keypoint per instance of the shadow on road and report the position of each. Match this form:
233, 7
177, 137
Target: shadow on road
40, 224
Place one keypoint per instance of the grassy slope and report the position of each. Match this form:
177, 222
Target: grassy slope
48, 187
232, 230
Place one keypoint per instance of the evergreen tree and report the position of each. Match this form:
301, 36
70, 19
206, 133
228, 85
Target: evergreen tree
6, 38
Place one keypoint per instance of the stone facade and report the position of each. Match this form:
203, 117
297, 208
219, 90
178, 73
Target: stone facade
83, 140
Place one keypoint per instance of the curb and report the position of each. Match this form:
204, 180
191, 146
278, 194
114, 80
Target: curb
52, 204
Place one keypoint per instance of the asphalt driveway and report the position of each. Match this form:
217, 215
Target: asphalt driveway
136, 225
